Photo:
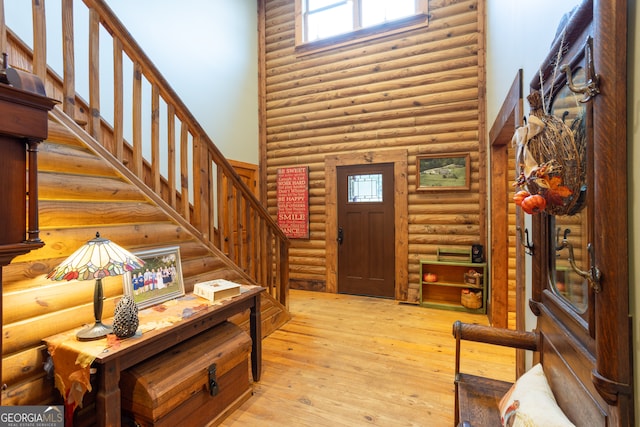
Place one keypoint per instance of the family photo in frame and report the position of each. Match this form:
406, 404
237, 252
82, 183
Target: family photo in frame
158, 280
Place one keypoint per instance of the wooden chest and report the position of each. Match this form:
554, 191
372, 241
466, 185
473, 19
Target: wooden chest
196, 383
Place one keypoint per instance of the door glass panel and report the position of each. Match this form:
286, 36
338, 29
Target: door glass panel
572, 228
365, 188
564, 280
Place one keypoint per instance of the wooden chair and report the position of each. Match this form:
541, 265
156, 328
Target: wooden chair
477, 398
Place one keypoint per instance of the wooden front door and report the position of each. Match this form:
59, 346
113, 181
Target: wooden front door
366, 239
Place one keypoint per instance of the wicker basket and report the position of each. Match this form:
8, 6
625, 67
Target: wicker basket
473, 278
559, 151
471, 299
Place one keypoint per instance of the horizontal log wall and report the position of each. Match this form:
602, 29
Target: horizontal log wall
79, 194
420, 90
513, 241
105, 184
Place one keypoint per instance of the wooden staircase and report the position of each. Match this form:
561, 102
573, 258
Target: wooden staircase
92, 180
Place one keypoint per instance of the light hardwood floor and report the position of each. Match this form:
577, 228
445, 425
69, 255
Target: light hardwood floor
358, 361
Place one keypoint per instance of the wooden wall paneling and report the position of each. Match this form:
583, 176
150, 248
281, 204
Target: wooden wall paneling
88, 187
418, 91
62, 241
483, 146
500, 135
23, 306
99, 214
71, 187
248, 172
262, 91
36, 391
516, 252
22, 365
80, 194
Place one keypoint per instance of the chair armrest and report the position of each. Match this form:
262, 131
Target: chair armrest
490, 335
498, 336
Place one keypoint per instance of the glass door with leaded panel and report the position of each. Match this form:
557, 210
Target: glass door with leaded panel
366, 237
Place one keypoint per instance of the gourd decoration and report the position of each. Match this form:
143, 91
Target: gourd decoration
125, 319
550, 167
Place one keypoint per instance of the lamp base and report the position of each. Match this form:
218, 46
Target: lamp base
97, 331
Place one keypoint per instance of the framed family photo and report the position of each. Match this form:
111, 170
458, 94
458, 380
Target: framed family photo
443, 172
159, 279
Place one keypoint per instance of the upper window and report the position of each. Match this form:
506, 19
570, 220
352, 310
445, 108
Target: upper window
328, 20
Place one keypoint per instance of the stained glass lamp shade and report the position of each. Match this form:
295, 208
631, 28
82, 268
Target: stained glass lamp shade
96, 259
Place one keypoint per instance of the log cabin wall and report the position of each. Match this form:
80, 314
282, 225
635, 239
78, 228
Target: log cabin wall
80, 193
421, 91
87, 184
514, 258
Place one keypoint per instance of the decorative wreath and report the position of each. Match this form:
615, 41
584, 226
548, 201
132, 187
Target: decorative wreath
550, 166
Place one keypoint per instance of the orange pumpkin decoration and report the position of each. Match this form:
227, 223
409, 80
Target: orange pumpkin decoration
520, 196
533, 204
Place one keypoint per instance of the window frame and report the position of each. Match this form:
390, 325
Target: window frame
420, 19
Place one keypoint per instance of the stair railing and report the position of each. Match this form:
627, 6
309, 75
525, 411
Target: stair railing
178, 162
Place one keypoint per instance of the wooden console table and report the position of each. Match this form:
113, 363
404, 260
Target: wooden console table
200, 316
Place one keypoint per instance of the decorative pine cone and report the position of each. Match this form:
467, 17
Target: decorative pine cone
125, 319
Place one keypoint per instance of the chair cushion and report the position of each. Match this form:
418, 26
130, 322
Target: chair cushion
530, 402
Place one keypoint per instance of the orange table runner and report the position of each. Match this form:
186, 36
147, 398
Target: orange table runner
72, 359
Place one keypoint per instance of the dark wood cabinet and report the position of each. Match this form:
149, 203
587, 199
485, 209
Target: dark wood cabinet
23, 124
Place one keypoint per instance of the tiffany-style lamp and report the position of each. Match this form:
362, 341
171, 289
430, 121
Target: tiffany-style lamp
96, 259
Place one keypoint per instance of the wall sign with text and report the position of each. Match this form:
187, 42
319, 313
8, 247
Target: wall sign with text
293, 201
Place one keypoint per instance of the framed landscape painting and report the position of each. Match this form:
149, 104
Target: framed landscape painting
443, 172
159, 279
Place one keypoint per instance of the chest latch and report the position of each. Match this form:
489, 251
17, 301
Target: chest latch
213, 382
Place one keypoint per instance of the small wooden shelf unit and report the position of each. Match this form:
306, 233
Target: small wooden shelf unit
445, 291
